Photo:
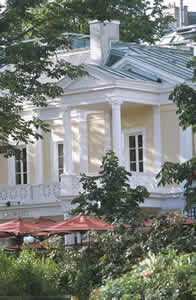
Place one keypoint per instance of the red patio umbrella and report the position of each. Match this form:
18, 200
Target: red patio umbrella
80, 223
43, 222
18, 227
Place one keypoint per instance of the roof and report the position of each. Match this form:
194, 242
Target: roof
146, 63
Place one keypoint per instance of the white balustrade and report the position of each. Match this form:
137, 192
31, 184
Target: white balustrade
29, 194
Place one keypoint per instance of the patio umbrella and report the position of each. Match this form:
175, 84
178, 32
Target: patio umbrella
18, 228
80, 223
42, 223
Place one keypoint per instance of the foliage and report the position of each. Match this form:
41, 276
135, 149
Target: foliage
115, 252
28, 275
164, 277
79, 272
118, 250
109, 194
31, 32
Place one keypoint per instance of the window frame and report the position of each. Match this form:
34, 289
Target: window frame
126, 134
12, 167
58, 167
21, 164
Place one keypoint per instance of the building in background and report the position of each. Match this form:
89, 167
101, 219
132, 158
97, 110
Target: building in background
181, 14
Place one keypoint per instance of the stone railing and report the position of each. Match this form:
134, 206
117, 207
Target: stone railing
71, 185
28, 194
151, 183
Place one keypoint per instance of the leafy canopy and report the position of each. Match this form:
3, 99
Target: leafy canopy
31, 32
109, 194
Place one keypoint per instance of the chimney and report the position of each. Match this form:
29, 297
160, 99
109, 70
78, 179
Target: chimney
194, 49
101, 34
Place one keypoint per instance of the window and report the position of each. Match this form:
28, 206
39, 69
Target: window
136, 157
60, 160
21, 166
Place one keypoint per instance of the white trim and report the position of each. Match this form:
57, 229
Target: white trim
12, 166
39, 160
186, 144
83, 133
28, 165
55, 140
157, 138
126, 133
11, 171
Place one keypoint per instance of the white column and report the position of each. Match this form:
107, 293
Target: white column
39, 160
116, 129
83, 131
107, 146
68, 161
186, 144
11, 171
157, 138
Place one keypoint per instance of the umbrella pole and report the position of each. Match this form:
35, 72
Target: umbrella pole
19, 240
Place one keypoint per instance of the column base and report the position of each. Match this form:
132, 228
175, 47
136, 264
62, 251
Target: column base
69, 185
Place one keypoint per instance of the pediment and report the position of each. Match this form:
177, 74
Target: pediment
95, 78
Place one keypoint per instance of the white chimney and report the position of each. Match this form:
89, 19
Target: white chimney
101, 34
194, 49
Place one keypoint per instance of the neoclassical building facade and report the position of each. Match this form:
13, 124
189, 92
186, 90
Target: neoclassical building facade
122, 105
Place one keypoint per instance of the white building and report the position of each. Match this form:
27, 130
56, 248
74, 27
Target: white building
121, 105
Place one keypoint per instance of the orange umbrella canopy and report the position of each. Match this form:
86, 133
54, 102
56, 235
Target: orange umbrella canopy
80, 223
18, 227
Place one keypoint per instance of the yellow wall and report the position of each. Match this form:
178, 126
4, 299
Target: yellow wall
141, 117
95, 141
169, 133
3, 170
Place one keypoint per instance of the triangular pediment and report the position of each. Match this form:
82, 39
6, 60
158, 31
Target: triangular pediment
95, 78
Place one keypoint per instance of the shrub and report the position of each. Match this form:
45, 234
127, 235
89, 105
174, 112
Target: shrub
164, 277
28, 275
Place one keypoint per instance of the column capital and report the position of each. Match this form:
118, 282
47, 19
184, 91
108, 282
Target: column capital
83, 115
115, 103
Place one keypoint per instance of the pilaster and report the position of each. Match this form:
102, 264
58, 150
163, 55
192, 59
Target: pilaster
83, 131
157, 138
116, 128
186, 144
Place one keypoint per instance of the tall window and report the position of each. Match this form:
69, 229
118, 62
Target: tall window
136, 157
21, 167
60, 160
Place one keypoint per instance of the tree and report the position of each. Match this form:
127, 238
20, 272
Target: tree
31, 32
109, 194
184, 96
